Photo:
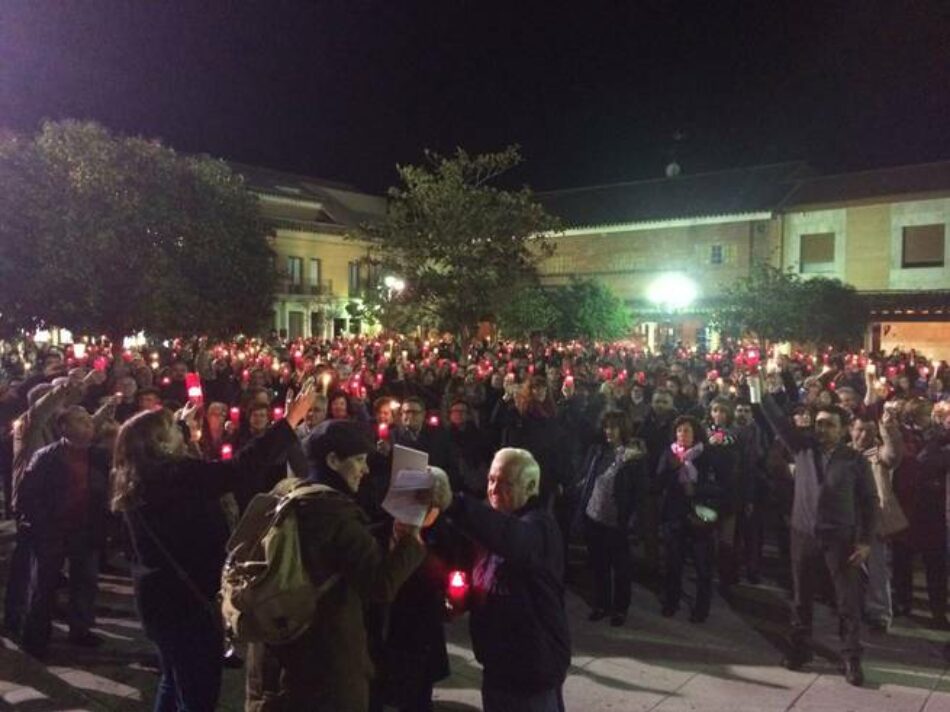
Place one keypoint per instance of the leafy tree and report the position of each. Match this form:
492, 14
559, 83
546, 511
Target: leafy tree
582, 309
530, 308
457, 241
588, 309
112, 235
774, 305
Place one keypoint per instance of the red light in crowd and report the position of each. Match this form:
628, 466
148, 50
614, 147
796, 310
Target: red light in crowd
278, 413
126, 355
193, 384
712, 375
227, 451
531, 368
569, 381
166, 381
235, 414
382, 431
245, 375
457, 580
100, 364
433, 421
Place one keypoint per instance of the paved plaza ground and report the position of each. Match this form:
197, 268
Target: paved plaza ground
651, 663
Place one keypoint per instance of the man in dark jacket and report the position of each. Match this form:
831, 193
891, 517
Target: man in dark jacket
63, 502
518, 624
834, 516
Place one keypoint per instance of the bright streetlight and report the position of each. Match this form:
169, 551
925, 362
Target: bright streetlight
672, 291
394, 284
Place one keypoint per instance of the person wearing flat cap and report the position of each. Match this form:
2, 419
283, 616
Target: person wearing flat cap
329, 667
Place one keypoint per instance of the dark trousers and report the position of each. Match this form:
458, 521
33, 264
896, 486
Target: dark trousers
699, 543
190, 655
810, 553
749, 532
17, 594
494, 700
935, 569
48, 560
609, 554
262, 688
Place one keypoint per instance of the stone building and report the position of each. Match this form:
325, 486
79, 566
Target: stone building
883, 231
321, 272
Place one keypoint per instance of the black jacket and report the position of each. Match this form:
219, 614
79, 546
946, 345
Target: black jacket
518, 623
181, 505
45, 496
599, 458
711, 489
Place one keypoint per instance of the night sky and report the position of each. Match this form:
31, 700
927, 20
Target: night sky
594, 92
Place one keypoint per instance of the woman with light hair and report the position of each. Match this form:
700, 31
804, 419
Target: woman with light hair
170, 502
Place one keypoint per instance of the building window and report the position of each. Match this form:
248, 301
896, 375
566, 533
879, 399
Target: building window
715, 255
294, 274
354, 270
923, 246
316, 270
817, 253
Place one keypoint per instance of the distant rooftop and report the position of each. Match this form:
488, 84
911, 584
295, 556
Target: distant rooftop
737, 192
340, 203
731, 192
920, 178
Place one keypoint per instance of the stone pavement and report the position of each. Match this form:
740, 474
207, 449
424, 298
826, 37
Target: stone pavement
652, 663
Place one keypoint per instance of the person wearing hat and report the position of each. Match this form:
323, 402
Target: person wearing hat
329, 667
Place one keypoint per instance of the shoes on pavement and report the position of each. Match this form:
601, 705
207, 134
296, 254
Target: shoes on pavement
796, 659
598, 614
618, 619
853, 672
85, 639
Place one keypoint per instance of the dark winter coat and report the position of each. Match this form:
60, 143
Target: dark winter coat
518, 623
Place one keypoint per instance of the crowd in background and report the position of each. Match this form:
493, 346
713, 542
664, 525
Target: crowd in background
670, 451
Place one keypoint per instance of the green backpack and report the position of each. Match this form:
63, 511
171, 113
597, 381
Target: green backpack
267, 595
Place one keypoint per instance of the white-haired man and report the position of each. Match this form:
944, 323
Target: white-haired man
518, 624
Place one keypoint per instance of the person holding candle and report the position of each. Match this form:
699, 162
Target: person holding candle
170, 504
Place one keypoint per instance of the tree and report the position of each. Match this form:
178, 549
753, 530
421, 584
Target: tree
588, 309
112, 235
774, 305
458, 242
582, 309
529, 309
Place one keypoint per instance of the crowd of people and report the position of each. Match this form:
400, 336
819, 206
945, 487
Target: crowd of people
838, 459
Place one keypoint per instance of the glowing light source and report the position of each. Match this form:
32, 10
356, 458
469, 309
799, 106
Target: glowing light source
672, 291
393, 283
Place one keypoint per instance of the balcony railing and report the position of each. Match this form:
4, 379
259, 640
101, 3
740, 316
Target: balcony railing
323, 289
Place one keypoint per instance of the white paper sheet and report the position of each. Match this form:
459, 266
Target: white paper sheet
410, 477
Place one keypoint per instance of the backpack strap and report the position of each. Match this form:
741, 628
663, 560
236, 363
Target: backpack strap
299, 492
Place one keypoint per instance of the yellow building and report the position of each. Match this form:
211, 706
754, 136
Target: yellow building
883, 231
321, 272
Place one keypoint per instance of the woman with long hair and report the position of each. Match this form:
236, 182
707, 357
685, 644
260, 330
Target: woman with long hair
171, 505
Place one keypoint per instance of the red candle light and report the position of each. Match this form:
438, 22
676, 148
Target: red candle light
433, 421
457, 589
227, 451
235, 415
382, 431
278, 413
193, 384
569, 381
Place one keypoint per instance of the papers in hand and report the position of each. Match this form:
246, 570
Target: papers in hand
410, 477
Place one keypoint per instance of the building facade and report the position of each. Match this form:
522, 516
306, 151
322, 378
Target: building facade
884, 231
322, 272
